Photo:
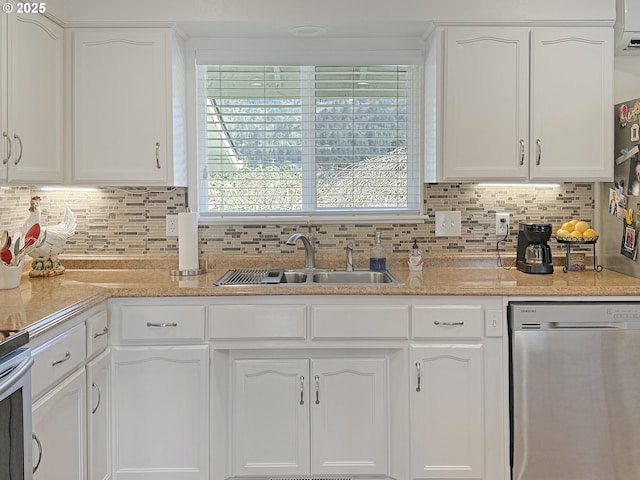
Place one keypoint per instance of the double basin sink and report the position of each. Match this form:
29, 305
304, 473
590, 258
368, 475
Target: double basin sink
307, 276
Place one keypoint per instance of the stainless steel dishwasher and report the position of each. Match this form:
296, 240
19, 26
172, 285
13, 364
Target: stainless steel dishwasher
575, 390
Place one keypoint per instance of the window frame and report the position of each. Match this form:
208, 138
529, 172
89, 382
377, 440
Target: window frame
338, 52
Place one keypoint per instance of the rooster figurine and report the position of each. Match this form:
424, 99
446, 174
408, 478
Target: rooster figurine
51, 242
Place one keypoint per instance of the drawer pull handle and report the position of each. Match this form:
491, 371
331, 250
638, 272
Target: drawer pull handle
301, 390
157, 154
103, 332
418, 389
35, 438
448, 324
95, 409
67, 356
317, 390
162, 325
521, 152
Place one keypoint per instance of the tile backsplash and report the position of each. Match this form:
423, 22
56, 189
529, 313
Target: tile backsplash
131, 220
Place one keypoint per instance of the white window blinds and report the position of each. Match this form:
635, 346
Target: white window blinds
308, 139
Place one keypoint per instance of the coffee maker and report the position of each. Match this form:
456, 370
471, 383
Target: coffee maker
533, 252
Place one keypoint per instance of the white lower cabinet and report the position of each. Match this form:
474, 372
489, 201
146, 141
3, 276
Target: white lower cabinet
318, 416
99, 417
59, 431
160, 407
447, 402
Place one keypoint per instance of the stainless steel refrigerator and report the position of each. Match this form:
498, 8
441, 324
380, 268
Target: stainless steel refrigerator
617, 202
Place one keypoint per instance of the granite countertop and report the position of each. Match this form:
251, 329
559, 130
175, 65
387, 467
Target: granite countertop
40, 303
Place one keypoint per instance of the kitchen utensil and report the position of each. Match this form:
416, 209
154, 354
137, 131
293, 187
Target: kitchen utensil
30, 239
5, 241
6, 256
16, 246
32, 233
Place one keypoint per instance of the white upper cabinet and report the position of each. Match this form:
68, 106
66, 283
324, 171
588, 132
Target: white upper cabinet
527, 104
31, 100
486, 114
571, 104
123, 105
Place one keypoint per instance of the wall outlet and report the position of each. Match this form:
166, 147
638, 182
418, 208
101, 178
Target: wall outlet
448, 224
502, 224
172, 226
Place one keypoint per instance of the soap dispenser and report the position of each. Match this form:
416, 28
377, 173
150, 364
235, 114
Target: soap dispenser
416, 259
377, 259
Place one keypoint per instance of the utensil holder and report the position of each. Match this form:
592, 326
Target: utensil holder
10, 275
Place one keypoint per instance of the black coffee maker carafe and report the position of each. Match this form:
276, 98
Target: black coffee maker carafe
533, 251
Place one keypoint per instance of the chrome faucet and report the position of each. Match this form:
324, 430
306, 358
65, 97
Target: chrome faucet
349, 265
309, 250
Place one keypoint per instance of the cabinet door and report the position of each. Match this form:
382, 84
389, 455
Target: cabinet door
447, 405
120, 106
59, 431
572, 104
35, 93
270, 431
349, 434
486, 103
161, 419
4, 129
99, 417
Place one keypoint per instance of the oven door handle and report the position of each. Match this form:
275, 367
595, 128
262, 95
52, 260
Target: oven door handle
14, 375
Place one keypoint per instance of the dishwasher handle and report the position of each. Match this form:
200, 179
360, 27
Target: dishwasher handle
586, 325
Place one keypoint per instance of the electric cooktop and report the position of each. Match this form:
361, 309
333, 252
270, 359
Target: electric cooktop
11, 340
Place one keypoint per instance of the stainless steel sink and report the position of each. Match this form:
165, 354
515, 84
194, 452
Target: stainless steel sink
357, 277
307, 276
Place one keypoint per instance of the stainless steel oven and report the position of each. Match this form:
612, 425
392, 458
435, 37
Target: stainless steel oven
15, 415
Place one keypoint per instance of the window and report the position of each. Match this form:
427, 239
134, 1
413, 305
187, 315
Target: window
308, 140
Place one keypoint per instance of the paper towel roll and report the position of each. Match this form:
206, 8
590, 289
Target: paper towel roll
188, 241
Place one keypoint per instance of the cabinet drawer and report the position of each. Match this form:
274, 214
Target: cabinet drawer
57, 358
97, 333
260, 322
447, 321
160, 324
359, 321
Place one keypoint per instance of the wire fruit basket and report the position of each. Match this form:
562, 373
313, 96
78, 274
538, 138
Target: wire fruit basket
569, 242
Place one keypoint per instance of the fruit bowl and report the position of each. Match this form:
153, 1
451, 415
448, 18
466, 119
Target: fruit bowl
576, 241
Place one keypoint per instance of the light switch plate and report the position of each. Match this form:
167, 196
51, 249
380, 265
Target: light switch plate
448, 224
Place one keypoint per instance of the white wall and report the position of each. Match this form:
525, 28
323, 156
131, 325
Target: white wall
329, 11
626, 79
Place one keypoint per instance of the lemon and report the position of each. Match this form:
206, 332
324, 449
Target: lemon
576, 235
562, 233
568, 227
589, 234
574, 221
581, 226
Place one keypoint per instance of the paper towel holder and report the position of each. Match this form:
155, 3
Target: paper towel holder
193, 271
